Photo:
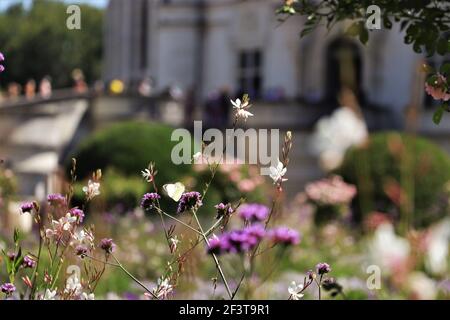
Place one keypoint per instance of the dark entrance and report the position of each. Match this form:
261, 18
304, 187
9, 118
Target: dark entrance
343, 69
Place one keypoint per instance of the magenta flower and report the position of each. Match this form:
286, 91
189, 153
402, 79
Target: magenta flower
323, 268
28, 262
285, 236
8, 288
254, 212
108, 245
189, 201
2, 58
223, 210
56, 199
237, 241
149, 200
77, 213
27, 207
81, 250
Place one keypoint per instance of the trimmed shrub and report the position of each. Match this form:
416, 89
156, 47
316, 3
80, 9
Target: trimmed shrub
397, 173
128, 148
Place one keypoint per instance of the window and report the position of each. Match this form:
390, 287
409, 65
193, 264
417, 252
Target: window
250, 73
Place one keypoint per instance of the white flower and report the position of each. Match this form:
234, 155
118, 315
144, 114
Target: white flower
421, 286
437, 249
163, 289
197, 158
388, 250
294, 290
174, 243
240, 109
92, 189
73, 286
277, 173
335, 134
147, 175
82, 237
49, 295
85, 296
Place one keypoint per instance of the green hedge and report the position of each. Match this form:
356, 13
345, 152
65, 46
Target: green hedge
128, 148
417, 165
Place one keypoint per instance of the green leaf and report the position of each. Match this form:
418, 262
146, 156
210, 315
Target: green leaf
364, 35
442, 46
16, 235
445, 68
353, 30
437, 116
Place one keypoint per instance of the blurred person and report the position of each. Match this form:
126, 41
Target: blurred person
80, 85
189, 107
14, 90
30, 89
145, 88
45, 87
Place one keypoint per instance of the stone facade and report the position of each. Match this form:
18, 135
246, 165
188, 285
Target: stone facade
241, 45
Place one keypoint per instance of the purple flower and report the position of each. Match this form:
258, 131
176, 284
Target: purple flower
2, 58
285, 236
323, 268
56, 199
77, 213
149, 200
237, 241
108, 245
254, 212
223, 210
11, 255
189, 201
81, 250
8, 288
28, 262
27, 207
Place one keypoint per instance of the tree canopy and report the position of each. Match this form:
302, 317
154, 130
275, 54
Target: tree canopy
36, 42
426, 26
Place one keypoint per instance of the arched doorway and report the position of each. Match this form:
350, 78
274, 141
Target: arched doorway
343, 69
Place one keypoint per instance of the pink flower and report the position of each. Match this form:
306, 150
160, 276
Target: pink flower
438, 90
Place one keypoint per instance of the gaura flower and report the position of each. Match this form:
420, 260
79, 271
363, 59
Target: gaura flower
147, 175
92, 189
50, 294
240, 109
163, 289
73, 286
277, 173
294, 290
86, 296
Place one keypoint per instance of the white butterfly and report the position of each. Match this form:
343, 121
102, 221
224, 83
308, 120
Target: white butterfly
174, 190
